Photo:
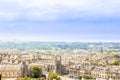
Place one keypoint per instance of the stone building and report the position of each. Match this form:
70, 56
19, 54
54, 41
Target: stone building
95, 71
11, 71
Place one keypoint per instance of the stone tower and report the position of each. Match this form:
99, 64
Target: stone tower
58, 66
25, 69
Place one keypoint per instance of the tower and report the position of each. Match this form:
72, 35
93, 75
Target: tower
25, 69
58, 66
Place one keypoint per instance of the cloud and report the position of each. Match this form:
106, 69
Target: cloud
57, 9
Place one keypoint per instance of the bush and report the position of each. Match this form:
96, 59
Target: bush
53, 75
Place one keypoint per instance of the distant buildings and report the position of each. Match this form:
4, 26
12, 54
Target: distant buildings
72, 63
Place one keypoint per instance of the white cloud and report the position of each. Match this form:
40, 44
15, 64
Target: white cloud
53, 9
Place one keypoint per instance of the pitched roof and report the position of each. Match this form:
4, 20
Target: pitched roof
10, 67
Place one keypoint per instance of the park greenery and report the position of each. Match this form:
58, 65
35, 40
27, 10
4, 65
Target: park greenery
36, 72
53, 76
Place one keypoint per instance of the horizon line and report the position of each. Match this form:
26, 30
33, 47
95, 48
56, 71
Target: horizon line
115, 41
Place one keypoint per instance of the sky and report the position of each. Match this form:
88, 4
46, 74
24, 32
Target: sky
60, 20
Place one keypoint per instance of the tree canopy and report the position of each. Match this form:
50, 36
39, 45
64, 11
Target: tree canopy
36, 72
53, 76
28, 78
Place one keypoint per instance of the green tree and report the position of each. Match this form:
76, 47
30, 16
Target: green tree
36, 72
116, 62
53, 75
80, 77
26, 78
41, 79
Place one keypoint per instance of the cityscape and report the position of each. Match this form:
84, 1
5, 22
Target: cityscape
68, 61
59, 39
